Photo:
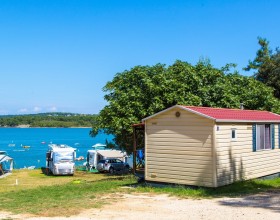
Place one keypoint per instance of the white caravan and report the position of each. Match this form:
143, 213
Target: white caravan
6, 163
61, 159
100, 152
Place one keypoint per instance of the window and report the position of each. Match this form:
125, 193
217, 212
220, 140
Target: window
263, 137
233, 134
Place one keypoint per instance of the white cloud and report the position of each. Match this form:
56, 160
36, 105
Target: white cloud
37, 109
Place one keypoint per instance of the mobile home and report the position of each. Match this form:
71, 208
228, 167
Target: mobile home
211, 146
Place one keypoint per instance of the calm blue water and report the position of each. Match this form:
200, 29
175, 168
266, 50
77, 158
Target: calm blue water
34, 137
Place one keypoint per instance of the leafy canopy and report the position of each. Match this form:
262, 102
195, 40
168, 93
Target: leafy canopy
144, 90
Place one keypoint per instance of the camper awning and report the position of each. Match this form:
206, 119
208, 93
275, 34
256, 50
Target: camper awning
112, 153
4, 158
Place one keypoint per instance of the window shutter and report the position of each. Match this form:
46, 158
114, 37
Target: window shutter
254, 137
272, 137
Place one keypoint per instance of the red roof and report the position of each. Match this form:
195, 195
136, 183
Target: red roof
224, 114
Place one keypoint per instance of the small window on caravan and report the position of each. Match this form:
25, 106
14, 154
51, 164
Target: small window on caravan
233, 134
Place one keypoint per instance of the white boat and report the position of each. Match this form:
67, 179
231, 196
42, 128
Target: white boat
12, 144
99, 146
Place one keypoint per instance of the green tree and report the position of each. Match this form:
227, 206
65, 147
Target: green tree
144, 90
267, 66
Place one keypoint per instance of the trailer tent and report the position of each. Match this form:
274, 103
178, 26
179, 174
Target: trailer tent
6, 163
211, 147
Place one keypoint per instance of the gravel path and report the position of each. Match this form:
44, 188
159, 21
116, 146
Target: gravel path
144, 206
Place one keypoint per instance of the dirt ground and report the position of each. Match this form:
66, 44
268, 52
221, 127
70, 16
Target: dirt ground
145, 206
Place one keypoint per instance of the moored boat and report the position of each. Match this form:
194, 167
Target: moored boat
26, 146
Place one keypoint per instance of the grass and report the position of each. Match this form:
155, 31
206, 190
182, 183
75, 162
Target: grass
43, 195
236, 189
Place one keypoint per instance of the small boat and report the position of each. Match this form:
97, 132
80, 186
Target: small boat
12, 144
80, 158
26, 146
43, 142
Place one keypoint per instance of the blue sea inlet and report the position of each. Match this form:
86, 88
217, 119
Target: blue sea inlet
28, 146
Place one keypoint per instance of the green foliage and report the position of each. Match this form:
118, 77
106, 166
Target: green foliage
48, 120
267, 66
144, 90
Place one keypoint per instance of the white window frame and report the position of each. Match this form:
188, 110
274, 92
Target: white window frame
261, 140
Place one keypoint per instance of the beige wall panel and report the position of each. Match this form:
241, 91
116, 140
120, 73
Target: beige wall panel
250, 164
235, 150
181, 140
191, 135
155, 175
258, 156
176, 123
183, 171
249, 170
227, 133
195, 182
261, 174
184, 164
236, 159
178, 150
194, 163
239, 145
180, 145
228, 141
150, 156
231, 178
181, 129
235, 145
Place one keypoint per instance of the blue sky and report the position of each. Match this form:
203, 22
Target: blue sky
56, 55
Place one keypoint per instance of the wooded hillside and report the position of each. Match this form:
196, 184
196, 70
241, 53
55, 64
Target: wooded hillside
56, 119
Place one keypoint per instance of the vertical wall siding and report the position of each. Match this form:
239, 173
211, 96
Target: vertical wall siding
236, 159
178, 149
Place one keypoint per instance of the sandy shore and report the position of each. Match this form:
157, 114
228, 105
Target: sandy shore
143, 206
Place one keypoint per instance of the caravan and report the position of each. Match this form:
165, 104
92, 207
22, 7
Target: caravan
101, 153
6, 163
61, 159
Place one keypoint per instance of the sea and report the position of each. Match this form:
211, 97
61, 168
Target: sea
28, 146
